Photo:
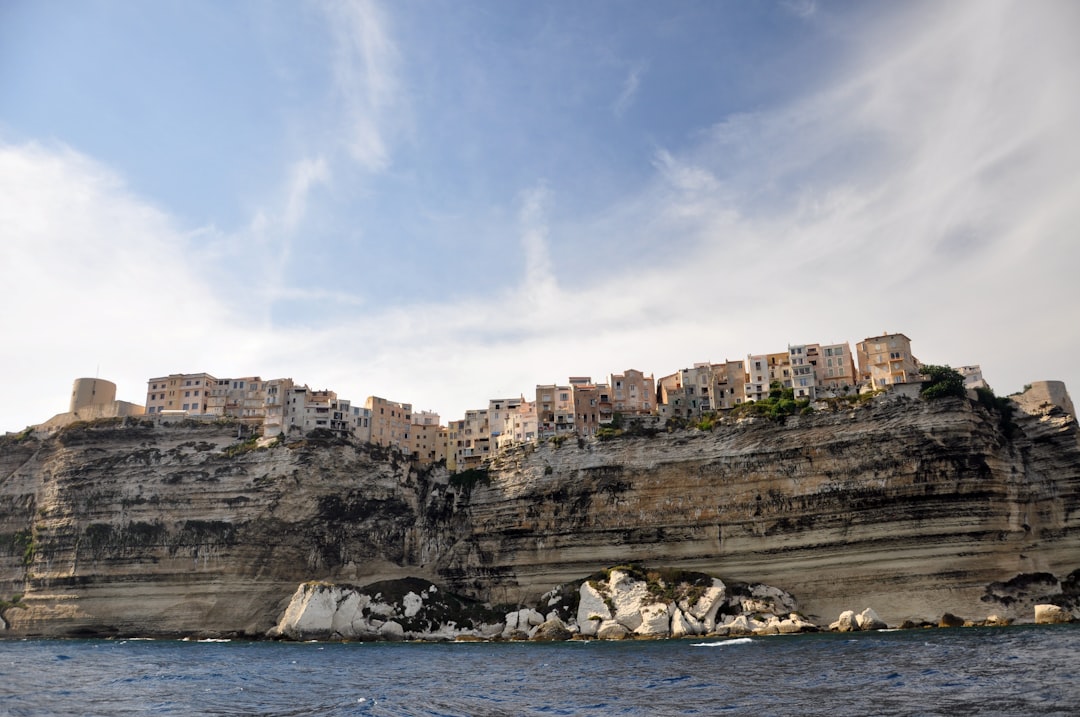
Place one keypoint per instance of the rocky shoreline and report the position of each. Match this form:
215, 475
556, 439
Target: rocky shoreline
621, 603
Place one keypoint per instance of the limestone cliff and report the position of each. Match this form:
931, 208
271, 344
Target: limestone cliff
910, 507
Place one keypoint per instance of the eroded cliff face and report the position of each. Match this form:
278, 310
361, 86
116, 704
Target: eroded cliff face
912, 508
179, 529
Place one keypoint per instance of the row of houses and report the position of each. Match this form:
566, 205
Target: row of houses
580, 407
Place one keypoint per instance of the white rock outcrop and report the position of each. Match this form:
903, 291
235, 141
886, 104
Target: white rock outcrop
592, 610
869, 620
1051, 615
847, 622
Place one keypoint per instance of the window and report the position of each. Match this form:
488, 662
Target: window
564, 397
187, 394
185, 407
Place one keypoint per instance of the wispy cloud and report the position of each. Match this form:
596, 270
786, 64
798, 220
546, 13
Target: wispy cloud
365, 78
540, 283
629, 89
802, 8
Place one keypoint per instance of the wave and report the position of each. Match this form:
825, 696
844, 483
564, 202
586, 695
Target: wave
724, 643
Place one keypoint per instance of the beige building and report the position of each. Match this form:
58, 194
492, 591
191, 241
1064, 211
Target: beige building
241, 398
728, 385
186, 393
472, 444
522, 427
455, 432
277, 393
685, 393
592, 405
554, 410
632, 393
973, 377
427, 439
391, 422
305, 410
427, 443
886, 360
836, 371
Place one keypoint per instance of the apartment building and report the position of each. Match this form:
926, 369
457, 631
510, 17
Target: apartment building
427, 443
728, 388
523, 425
305, 410
886, 360
276, 394
687, 393
554, 410
391, 422
802, 376
472, 437
632, 393
455, 432
592, 405
427, 438
241, 398
973, 377
179, 393
756, 383
836, 372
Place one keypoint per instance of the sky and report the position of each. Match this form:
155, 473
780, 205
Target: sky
442, 202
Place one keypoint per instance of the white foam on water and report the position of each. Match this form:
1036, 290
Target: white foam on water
724, 643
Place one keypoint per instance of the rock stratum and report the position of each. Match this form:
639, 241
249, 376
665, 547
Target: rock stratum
915, 508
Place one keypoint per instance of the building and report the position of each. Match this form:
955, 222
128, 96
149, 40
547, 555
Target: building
886, 360
687, 393
276, 394
592, 405
554, 410
471, 438
756, 383
427, 438
91, 399
241, 398
728, 387
391, 422
523, 425
836, 372
632, 393
186, 393
800, 373
427, 442
973, 377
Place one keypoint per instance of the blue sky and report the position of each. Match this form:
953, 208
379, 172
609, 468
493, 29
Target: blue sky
446, 202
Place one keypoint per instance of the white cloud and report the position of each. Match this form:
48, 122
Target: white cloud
629, 89
365, 78
94, 277
931, 191
540, 284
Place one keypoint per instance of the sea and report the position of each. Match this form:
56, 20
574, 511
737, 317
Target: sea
1020, 670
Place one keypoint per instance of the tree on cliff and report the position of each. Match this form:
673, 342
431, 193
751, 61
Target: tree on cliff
942, 381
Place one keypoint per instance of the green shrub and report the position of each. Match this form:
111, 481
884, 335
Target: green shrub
942, 381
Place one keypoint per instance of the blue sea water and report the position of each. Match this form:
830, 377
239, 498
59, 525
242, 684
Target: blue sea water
998, 671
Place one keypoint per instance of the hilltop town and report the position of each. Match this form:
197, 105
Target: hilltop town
580, 408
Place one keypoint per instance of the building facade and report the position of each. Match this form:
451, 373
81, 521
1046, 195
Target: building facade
886, 360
